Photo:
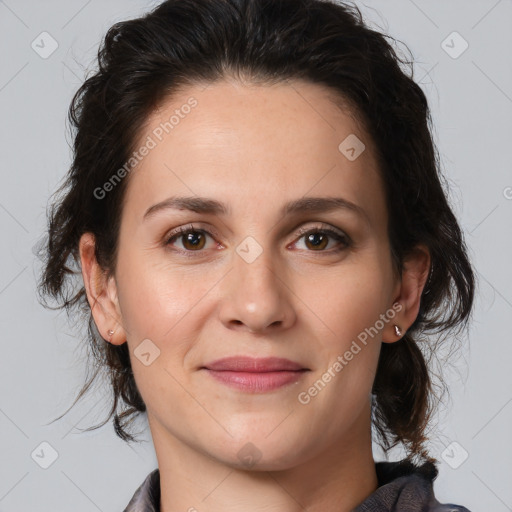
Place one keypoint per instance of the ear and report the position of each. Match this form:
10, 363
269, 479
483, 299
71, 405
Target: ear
408, 292
101, 293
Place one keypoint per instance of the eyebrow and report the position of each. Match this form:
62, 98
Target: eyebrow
211, 206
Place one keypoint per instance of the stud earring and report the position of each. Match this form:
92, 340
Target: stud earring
398, 331
110, 334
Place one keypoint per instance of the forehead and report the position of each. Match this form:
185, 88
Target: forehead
255, 144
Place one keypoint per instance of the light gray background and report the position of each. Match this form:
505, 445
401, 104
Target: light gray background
40, 364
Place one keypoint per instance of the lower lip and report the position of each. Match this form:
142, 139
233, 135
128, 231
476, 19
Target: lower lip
256, 381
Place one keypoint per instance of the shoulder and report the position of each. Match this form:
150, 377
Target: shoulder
147, 496
406, 487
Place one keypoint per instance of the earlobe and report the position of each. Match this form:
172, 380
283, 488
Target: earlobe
394, 327
415, 272
102, 300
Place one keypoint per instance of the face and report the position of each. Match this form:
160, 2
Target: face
270, 263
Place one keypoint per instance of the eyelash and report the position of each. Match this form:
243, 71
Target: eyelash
184, 230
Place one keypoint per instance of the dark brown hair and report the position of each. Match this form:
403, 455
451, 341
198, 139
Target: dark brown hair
143, 61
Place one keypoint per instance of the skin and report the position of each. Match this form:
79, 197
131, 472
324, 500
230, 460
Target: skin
255, 148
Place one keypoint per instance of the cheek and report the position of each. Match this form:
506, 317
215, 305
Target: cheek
160, 305
347, 301
154, 297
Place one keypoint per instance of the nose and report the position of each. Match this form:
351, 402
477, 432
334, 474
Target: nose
256, 296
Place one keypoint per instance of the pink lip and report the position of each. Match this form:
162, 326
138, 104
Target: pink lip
254, 364
255, 374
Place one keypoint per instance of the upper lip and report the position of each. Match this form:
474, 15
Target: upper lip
254, 364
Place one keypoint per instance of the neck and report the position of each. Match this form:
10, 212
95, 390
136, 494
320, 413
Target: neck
336, 480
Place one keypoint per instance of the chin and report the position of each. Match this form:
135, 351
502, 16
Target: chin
256, 452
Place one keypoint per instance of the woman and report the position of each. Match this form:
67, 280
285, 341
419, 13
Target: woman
256, 210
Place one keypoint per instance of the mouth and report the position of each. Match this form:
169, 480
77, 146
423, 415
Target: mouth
255, 375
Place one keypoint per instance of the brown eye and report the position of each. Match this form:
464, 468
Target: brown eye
192, 240
317, 240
